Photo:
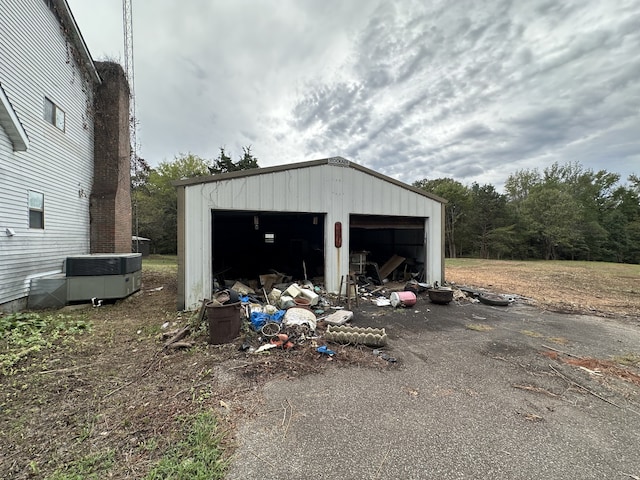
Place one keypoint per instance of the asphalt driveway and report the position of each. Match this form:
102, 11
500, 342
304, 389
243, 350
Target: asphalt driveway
461, 403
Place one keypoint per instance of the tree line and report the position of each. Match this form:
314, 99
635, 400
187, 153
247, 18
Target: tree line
564, 212
154, 198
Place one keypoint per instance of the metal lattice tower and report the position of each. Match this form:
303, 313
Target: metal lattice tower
127, 28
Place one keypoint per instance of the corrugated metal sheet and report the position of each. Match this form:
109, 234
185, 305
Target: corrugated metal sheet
336, 189
38, 63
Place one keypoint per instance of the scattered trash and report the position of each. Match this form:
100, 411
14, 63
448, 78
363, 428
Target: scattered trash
282, 340
403, 299
270, 329
373, 337
165, 325
265, 347
382, 302
300, 316
440, 295
259, 319
493, 300
243, 289
325, 351
338, 318
384, 356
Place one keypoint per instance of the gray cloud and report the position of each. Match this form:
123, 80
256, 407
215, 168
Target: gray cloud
411, 89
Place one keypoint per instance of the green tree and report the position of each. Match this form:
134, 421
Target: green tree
552, 217
457, 196
224, 164
157, 202
488, 217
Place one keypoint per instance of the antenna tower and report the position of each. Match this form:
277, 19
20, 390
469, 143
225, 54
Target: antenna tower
127, 29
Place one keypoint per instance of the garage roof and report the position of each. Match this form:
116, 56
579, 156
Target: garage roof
338, 161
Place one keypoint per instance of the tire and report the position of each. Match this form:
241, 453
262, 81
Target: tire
493, 300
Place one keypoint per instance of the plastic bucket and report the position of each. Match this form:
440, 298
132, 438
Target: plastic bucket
224, 322
403, 299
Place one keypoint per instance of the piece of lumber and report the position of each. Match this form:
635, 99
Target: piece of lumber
177, 345
391, 264
178, 336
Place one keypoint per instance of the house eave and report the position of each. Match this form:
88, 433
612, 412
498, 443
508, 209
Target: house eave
11, 124
73, 32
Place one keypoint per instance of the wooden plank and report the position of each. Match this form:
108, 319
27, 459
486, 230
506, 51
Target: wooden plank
391, 264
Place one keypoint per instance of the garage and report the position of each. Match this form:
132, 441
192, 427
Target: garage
318, 220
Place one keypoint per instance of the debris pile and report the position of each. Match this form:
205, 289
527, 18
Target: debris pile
276, 312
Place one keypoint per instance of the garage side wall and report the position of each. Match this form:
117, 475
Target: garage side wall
333, 190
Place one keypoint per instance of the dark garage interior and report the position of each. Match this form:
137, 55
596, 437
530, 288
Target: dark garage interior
247, 244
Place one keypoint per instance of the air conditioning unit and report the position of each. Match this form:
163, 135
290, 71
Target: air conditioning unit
103, 264
103, 276
103, 287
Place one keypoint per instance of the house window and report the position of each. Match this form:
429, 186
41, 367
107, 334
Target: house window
269, 238
36, 210
54, 114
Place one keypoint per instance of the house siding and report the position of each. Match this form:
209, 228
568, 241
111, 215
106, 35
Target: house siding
38, 62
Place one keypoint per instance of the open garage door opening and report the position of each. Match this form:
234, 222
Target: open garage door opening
388, 247
247, 244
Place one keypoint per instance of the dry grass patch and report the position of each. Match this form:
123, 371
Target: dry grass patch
608, 289
478, 327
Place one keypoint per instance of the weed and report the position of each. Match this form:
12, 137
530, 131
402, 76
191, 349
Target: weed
198, 456
531, 333
90, 467
478, 327
26, 333
629, 359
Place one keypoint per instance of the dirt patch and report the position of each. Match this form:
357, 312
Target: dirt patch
604, 289
115, 396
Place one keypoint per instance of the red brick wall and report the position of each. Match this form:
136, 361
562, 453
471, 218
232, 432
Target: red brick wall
110, 205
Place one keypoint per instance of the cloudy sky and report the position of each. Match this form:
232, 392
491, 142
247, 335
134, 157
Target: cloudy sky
413, 89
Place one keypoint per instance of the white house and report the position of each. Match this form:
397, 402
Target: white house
301, 219
52, 97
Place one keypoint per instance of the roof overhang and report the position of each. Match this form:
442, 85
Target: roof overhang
11, 124
335, 161
72, 30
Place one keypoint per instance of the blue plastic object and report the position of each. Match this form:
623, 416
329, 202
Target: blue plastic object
258, 319
325, 351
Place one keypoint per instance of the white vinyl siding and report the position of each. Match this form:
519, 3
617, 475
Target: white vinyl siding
38, 64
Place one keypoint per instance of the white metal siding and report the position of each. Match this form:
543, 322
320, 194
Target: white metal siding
335, 191
37, 62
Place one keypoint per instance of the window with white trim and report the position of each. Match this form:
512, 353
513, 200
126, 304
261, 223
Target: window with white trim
36, 210
54, 114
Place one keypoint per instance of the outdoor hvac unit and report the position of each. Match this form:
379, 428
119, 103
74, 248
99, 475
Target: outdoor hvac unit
103, 264
100, 276
103, 276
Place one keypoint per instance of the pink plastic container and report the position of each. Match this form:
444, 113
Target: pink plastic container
403, 299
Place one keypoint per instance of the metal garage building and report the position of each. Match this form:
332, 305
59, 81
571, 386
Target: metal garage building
301, 219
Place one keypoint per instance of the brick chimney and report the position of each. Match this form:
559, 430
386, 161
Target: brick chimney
110, 201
